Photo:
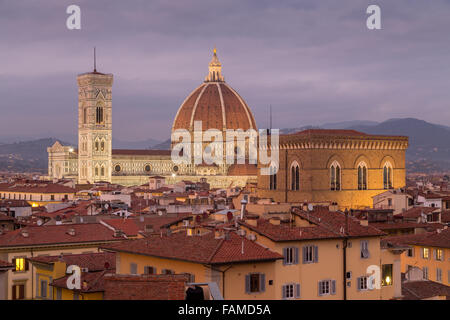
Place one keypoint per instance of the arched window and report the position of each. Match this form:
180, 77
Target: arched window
362, 176
96, 145
96, 171
272, 179
99, 115
387, 176
102, 145
295, 176
84, 115
335, 176
102, 171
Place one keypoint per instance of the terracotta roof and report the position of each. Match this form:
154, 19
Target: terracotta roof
439, 238
90, 281
14, 203
132, 152
424, 289
5, 265
4, 217
212, 104
57, 234
417, 211
445, 216
197, 248
35, 187
405, 225
92, 261
145, 287
132, 226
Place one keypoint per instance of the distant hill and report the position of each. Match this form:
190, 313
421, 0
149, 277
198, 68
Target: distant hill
429, 145
26, 156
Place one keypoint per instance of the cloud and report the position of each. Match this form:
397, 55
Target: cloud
313, 61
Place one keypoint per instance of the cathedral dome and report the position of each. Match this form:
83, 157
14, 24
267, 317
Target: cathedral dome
214, 103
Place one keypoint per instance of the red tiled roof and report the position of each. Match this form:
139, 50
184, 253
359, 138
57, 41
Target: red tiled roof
57, 234
145, 287
132, 226
132, 152
439, 238
92, 261
405, 225
416, 212
5, 265
424, 289
14, 203
445, 216
90, 281
35, 187
197, 248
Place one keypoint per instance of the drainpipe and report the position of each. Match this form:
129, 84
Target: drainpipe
223, 278
344, 254
286, 175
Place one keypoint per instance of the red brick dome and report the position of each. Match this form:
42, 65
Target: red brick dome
214, 103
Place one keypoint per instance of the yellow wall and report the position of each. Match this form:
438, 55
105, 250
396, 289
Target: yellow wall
27, 277
431, 263
315, 176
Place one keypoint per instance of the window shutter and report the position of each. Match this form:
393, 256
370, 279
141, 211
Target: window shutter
318, 289
247, 283
295, 255
37, 285
153, 270
21, 291
14, 263
262, 279
421, 253
413, 251
434, 254
304, 254
358, 280
443, 259
283, 292
26, 264
297, 291
146, 269
333, 286
284, 256
316, 254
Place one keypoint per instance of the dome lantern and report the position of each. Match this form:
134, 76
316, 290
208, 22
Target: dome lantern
215, 69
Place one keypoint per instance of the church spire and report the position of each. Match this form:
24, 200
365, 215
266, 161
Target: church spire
215, 69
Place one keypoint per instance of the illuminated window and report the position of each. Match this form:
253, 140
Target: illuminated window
386, 279
439, 255
335, 176
21, 264
425, 253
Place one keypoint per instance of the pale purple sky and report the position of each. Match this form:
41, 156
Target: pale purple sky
314, 61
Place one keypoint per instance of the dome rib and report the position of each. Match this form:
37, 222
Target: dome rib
222, 104
195, 107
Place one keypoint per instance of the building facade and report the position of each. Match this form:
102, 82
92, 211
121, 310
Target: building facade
345, 167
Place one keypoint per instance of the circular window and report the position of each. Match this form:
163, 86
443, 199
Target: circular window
147, 168
117, 168
175, 168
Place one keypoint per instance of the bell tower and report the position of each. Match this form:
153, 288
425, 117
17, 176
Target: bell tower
94, 126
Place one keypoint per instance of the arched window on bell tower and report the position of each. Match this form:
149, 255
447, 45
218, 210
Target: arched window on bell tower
99, 117
335, 176
387, 176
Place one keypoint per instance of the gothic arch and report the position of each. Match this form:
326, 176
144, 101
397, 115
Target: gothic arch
386, 159
362, 158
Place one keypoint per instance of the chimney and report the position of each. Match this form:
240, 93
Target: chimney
243, 204
148, 228
364, 223
218, 234
71, 232
24, 233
